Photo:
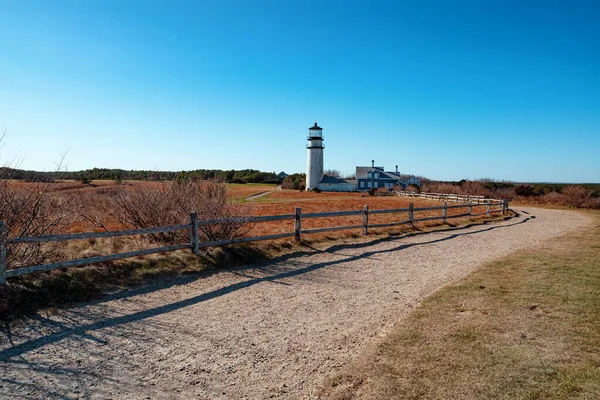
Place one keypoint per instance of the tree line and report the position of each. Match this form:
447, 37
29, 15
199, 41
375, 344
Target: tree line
118, 175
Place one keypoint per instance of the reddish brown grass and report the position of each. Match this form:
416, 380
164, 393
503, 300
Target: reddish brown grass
285, 202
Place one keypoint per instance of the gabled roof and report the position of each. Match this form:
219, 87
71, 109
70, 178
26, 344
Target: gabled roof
391, 175
388, 175
361, 172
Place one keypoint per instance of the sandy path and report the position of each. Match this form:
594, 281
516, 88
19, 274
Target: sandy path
267, 332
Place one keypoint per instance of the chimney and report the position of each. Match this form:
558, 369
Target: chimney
396, 169
372, 163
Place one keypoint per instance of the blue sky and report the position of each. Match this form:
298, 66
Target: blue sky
445, 89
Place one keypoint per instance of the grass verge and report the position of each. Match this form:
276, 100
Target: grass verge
524, 327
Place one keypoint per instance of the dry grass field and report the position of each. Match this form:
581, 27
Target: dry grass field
240, 192
91, 207
285, 202
91, 196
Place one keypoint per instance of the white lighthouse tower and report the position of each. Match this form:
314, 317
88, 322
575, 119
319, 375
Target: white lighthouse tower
314, 160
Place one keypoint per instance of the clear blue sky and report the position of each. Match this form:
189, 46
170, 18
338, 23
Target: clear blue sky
445, 89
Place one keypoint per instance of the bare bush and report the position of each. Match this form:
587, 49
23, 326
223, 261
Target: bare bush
441, 187
553, 198
595, 203
171, 204
474, 188
30, 211
576, 196
505, 193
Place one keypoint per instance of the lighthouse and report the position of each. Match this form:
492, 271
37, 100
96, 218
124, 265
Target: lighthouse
314, 159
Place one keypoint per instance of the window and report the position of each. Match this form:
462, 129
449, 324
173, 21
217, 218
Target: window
376, 175
369, 175
362, 184
369, 184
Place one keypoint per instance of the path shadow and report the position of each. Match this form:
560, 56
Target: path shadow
85, 331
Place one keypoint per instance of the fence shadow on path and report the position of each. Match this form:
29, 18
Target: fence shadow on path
84, 331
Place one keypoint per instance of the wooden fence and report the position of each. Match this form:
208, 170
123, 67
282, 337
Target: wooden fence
456, 198
492, 206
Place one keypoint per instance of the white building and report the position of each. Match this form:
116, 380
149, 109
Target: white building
314, 160
366, 177
315, 178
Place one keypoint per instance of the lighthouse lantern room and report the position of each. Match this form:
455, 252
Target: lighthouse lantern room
314, 160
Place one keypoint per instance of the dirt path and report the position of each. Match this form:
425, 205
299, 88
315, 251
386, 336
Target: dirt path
261, 194
272, 331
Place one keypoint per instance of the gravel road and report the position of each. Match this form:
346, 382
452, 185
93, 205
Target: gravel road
263, 331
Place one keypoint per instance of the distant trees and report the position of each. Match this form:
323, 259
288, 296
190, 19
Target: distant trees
119, 175
294, 181
333, 172
526, 191
85, 179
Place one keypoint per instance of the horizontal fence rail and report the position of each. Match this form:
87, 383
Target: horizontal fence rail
456, 198
96, 235
492, 206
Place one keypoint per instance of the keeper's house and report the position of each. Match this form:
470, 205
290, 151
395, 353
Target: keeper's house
375, 177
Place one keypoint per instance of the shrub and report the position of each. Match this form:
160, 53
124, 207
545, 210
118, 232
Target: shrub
413, 188
171, 204
372, 191
31, 211
85, 179
117, 178
316, 190
576, 196
554, 198
526, 191
294, 181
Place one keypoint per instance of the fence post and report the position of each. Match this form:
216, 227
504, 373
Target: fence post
470, 209
504, 206
194, 240
411, 213
3, 238
365, 228
489, 208
297, 224
444, 212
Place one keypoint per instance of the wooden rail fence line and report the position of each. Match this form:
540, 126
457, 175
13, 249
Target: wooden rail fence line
492, 206
448, 197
